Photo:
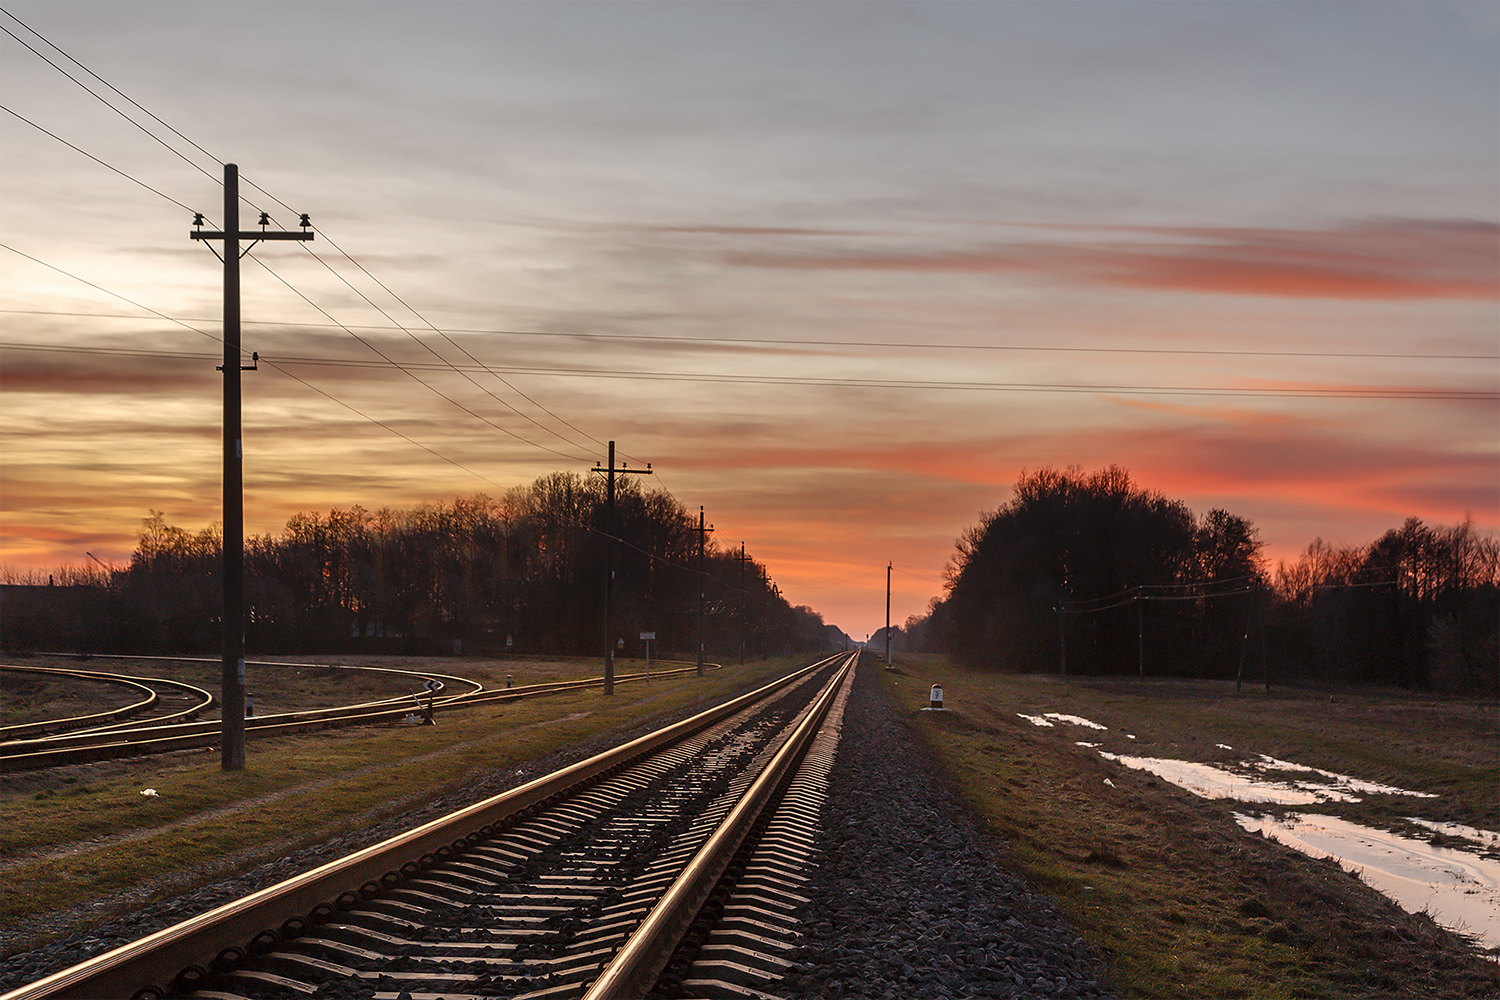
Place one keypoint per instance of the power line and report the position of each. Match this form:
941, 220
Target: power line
380, 423
102, 163
428, 347
460, 347
106, 291
175, 152
272, 364
205, 152
1121, 389
933, 345
410, 370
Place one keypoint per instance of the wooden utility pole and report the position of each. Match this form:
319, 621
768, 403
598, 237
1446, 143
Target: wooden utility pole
609, 562
744, 608
888, 663
703, 531
232, 697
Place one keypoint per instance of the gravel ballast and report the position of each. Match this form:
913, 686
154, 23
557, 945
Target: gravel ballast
909, 899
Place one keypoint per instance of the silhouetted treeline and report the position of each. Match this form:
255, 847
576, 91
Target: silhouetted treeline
1092, 572
528, 567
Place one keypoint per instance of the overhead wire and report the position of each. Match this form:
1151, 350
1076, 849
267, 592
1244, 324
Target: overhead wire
1117, 389
165, 145
772, 342
108, 166
446, 362
257, 187
218, 339
414, 311
408, 371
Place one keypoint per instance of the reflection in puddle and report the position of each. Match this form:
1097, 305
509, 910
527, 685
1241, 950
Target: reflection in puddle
1216, 783
1343, 780
1045, 719
1461, 890
1077, 720
1489, 838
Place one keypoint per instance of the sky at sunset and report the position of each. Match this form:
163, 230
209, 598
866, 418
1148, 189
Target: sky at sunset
840, 272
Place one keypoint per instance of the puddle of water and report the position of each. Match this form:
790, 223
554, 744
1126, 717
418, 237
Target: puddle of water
1460, 889
1489, 838
1045, 719
1342, 780
1216, 783
1077, 720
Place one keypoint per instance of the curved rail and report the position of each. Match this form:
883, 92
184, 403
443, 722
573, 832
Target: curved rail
9, 733
111, 743
208, 940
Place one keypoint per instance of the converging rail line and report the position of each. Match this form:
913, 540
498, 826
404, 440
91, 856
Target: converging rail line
32, 746
642, 869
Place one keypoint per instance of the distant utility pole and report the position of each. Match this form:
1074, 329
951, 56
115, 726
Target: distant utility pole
888, 615
703, 531
744, 607
609, 562
232, 697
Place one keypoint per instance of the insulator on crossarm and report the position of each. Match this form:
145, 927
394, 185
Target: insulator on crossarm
305, 222
265, 219
198, 219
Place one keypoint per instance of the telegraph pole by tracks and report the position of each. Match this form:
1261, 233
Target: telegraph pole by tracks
609, 561
703, 531
233, 693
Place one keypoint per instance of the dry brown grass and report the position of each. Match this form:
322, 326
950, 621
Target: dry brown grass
1180, 900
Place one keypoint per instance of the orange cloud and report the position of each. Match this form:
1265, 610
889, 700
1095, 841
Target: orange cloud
1398, 260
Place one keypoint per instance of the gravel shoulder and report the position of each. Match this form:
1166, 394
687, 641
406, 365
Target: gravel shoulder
910, 899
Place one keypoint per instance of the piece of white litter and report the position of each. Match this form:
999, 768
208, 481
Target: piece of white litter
1223, 746
1035, 720
1111, 784
1130, 736
1083, 744
150, 793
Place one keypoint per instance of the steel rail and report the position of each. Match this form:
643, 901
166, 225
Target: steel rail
134, 708
636, 966
250, 924
113, 744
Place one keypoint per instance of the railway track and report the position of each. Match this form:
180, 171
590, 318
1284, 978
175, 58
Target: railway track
669, 864
85, 739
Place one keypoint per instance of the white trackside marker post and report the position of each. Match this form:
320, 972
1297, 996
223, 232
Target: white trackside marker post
936, 698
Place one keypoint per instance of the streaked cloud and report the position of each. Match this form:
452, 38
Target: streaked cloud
1385, 261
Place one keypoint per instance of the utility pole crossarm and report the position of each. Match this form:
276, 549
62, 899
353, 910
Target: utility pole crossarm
253, 234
